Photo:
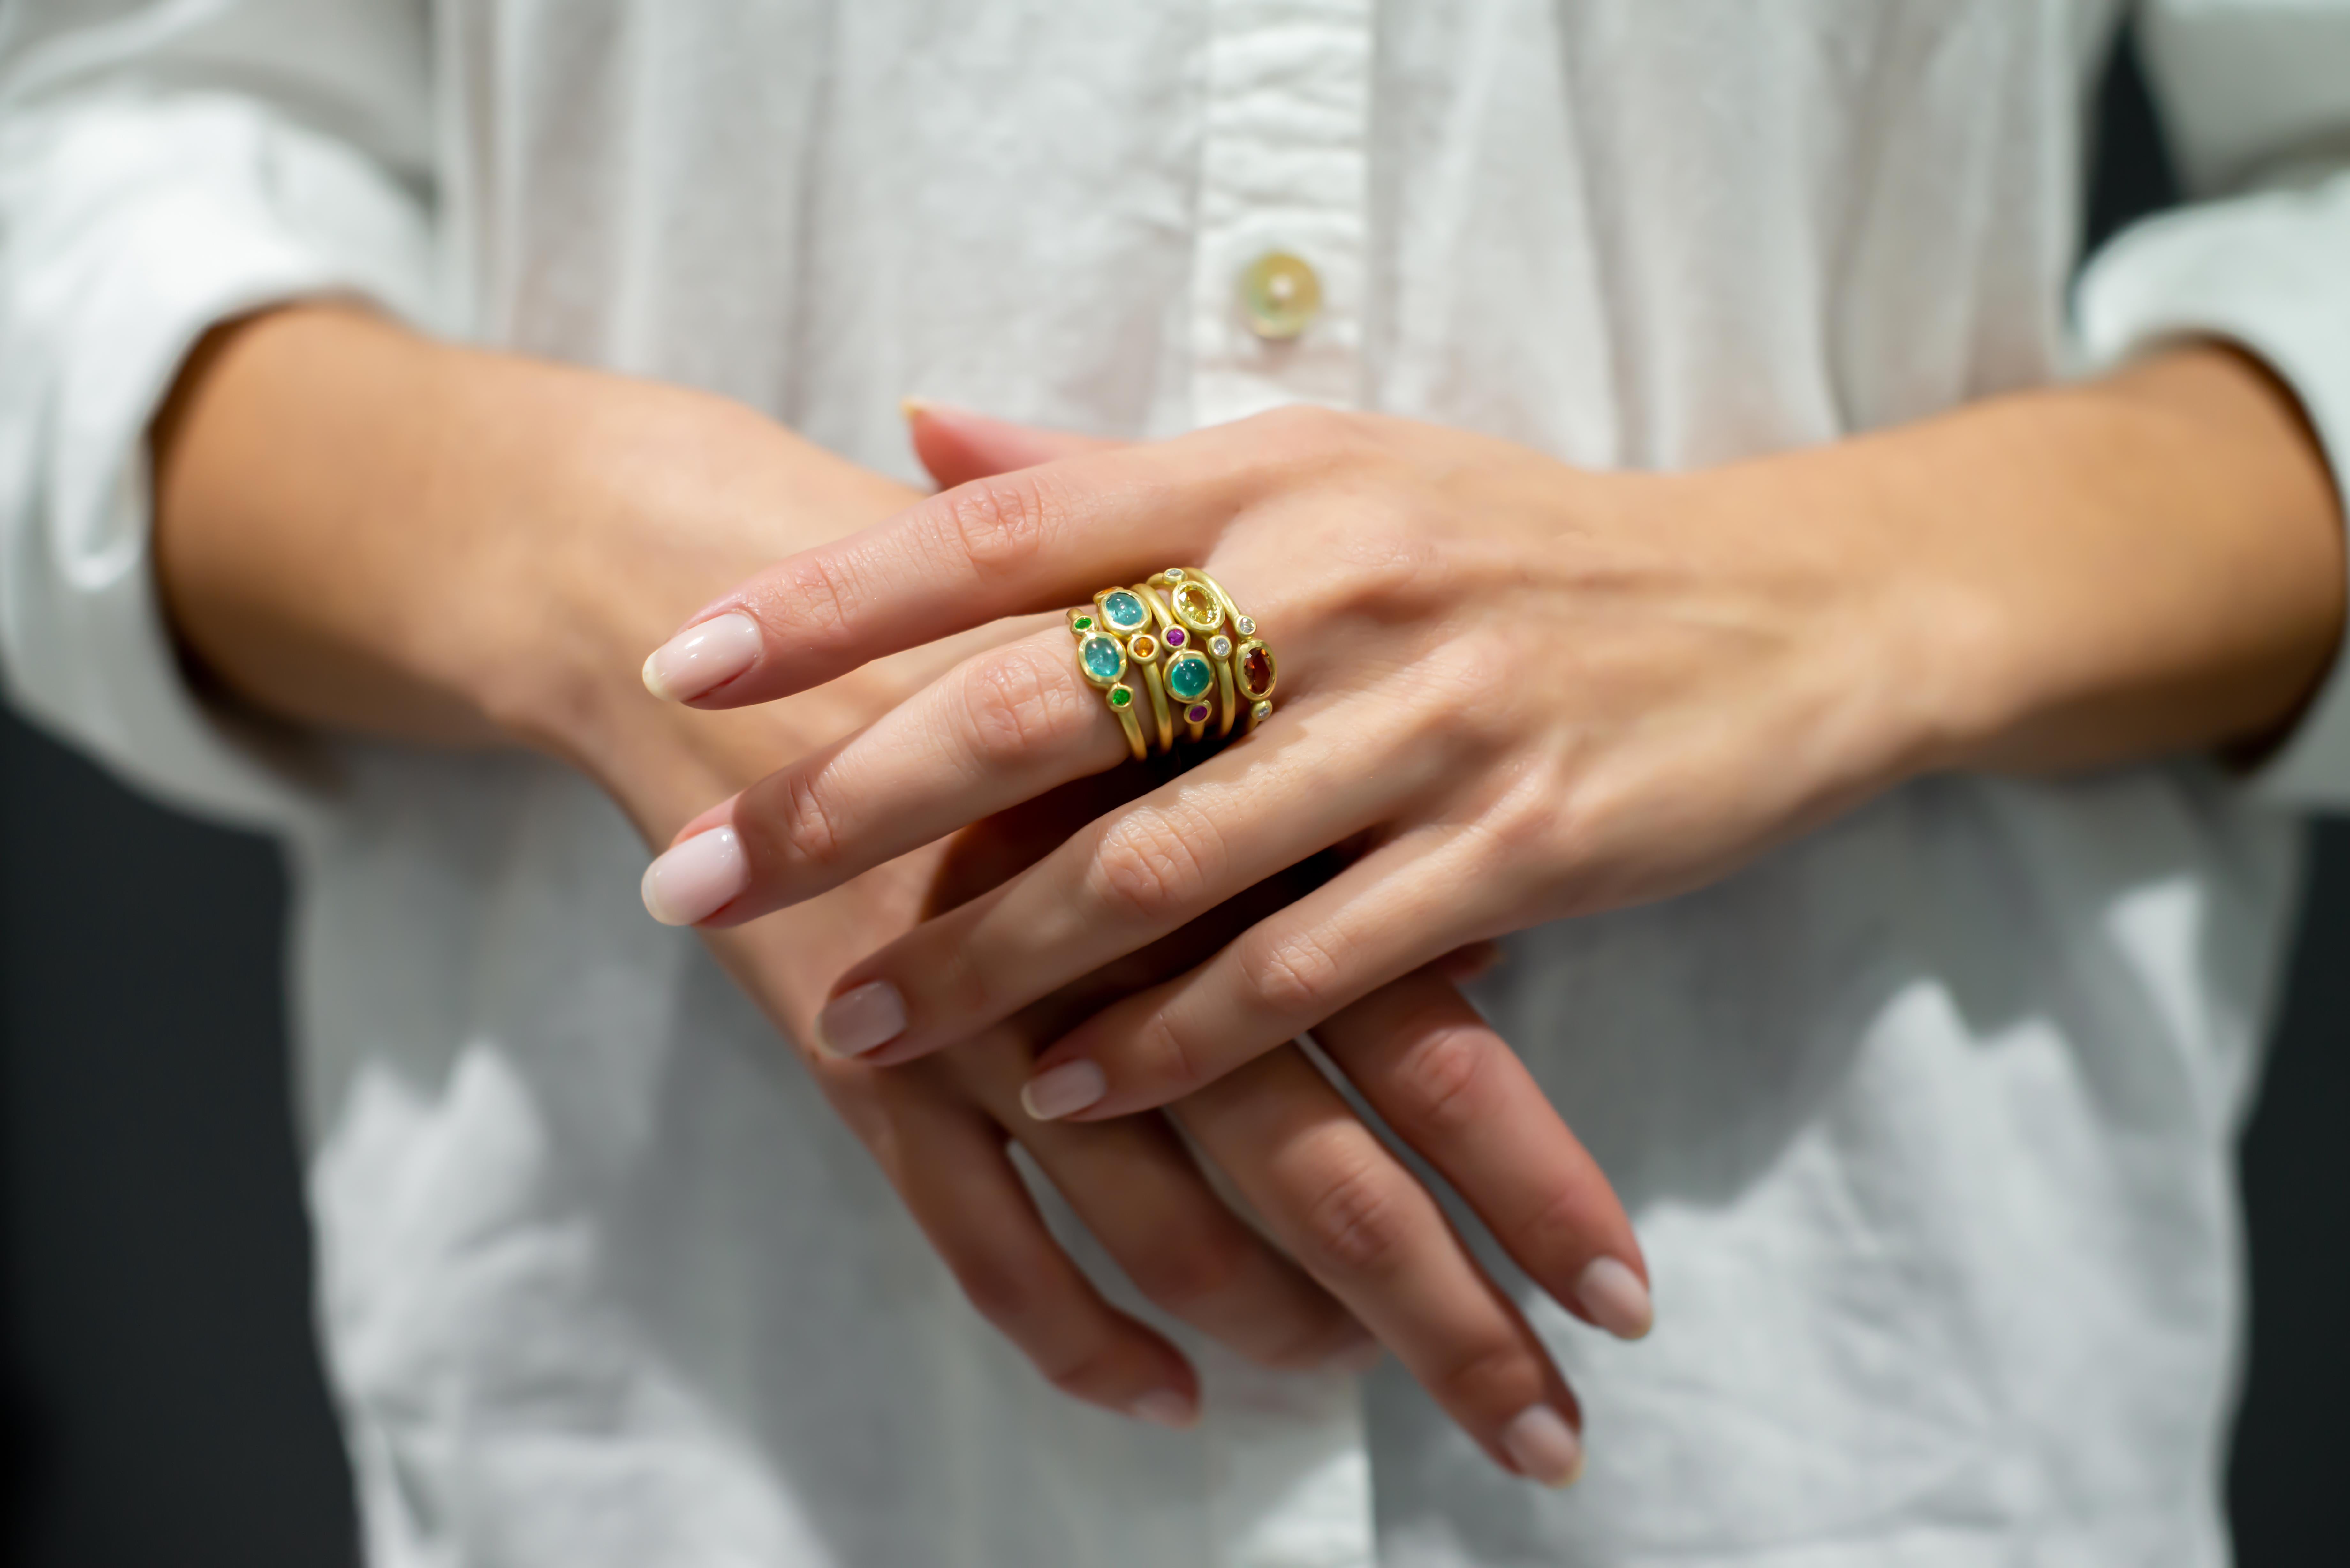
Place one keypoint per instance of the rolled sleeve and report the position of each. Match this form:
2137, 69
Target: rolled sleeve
133, 221
2255, 97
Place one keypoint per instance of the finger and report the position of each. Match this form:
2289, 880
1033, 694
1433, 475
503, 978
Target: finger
999, 728
1037, 539
1397, 910
956, 445
1453, 1090
1348, 1210
1124, 881
949, 1166
1141, 1193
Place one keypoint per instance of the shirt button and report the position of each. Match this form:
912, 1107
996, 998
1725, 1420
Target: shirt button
1280, 295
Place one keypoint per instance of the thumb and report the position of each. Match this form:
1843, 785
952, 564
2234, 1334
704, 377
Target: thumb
958, 446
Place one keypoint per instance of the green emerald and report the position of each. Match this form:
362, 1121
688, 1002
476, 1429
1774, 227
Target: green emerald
1119, 696
1104, 659
1085, 623
1189, 676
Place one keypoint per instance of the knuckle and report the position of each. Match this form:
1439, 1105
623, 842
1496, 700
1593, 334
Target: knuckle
1310, 431
1439, 1087
1013, 706
1007, 1295
805, 832
1356, 1224
1154, 863
1494, 1373
1000, 525
1181, 1273
1553, 1228
1291, 974
1174, 1061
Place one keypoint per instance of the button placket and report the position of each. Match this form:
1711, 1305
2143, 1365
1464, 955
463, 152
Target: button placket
1279, 267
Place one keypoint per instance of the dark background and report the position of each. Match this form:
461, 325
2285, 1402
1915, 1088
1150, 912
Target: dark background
159, 1396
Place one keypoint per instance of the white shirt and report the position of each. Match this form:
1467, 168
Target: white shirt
1925, 1120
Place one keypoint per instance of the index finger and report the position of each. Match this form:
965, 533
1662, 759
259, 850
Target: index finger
1011, 543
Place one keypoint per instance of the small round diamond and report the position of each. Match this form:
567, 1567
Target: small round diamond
1174, 574
1264, 709
1247, 626
1197, 713
1221, 647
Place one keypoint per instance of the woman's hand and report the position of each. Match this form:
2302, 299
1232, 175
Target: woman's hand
1511, 691
360, 529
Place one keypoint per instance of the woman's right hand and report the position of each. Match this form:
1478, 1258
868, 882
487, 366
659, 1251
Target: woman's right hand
363, 530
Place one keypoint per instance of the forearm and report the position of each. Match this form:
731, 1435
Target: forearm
362, 529
2143, 565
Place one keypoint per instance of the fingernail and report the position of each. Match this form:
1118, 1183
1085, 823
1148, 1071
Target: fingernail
697, 879
1164, 1407
859, 1021
909, 408
702, 657
1064, 1091
1616, 1298
1544, 1447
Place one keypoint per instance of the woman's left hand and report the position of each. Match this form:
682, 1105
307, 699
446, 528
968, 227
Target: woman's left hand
1510, 690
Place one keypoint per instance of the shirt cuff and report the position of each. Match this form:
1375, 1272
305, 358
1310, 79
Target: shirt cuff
131, 228
2267, 272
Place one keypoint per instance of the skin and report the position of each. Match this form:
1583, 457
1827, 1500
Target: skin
360, 530
1514, 692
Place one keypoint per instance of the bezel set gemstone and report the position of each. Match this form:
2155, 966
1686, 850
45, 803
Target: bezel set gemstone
1120, 696
1197, 713
1244, 626
1262, 711
1142, 646
1221, 647
1255, 671
1083, 623
1189, 676
1175, 636
1196, 608
1124, 610
1102, 658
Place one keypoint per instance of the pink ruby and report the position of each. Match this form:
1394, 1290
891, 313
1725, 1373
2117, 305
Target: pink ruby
1174, 637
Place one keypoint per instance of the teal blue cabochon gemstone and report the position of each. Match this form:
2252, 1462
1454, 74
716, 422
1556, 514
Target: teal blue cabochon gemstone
1189, 676
1103, 657
1124, 610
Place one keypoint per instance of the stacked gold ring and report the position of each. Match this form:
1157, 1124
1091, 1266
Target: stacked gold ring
1199, 658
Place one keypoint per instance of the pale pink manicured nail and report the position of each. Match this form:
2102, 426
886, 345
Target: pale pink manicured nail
861, 1020
697, 879
1165, 1408
1065, 1091
702, 657
1616, 1298
1543, 1446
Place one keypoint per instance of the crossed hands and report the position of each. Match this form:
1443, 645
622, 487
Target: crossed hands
1445, 766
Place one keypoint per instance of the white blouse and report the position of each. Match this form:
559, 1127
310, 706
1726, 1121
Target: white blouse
1926, 1120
